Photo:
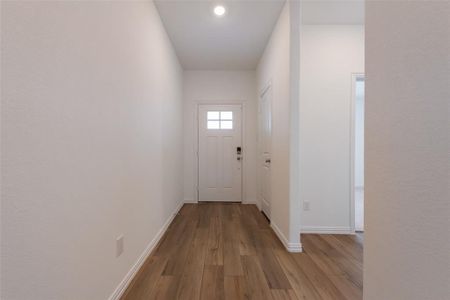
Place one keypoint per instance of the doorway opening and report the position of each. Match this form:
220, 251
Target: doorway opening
358, 104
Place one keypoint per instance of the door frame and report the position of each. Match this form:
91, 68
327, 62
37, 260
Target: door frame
268, 86
197, 143
354, 78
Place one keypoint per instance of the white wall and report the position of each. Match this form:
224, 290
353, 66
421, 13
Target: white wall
329, 54
407, 244
91, 144
220, 87
277, 67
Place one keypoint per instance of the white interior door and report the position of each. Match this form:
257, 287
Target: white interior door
265, 134
220, 153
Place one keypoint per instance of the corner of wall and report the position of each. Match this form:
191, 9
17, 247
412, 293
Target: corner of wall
291, 246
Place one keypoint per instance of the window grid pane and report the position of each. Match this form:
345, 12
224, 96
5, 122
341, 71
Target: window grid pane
213, 115
226, 115
213, 125
226, 124
219, 120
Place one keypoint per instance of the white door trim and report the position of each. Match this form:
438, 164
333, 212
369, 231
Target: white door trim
196, 160
267, 87
355, 76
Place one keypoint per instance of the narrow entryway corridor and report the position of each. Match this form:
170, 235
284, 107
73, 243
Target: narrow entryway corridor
226, 149
229, 251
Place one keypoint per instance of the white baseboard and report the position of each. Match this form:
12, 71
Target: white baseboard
190, 201
327, 230
251, 201
130, 275
290, 247
256, 202
243, 202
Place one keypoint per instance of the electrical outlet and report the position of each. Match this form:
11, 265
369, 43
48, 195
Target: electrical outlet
306, 205
119, 245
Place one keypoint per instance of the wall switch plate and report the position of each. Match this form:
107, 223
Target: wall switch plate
119, 245
306, 205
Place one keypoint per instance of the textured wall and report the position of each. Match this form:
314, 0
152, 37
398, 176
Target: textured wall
407, 239
330, 54
274, 67
91, 144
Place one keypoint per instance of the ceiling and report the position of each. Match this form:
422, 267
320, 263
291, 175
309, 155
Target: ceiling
235, 41
336, 12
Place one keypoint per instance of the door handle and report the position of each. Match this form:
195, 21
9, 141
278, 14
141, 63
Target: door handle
267, 161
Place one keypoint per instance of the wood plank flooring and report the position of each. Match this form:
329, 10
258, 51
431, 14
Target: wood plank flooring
228, 251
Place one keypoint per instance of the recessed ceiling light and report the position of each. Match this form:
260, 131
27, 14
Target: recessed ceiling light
219, 10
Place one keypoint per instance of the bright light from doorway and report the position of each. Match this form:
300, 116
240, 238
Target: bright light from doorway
219, 10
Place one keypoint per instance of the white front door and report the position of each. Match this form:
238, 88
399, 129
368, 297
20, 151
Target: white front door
220, 153
265, 135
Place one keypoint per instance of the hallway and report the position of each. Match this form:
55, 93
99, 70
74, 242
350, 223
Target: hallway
146, 144
229, 251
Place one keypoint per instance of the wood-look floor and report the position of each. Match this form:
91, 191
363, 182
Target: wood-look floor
228, 251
